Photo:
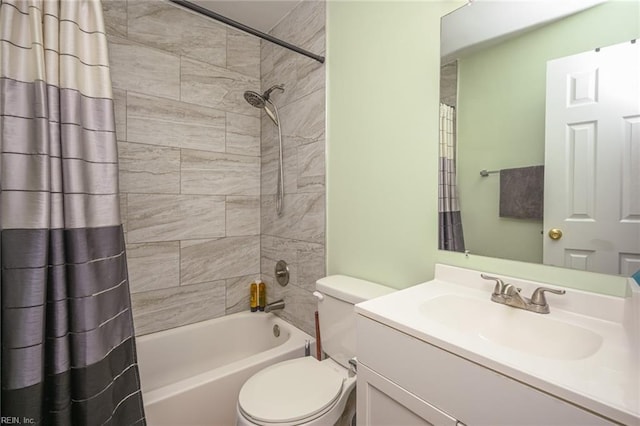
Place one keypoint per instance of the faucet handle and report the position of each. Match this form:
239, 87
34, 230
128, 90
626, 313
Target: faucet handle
537, 298
498, 289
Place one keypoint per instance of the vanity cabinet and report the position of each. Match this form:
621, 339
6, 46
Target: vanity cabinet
403, 380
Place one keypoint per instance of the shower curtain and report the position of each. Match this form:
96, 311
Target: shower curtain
450, 222
68, 350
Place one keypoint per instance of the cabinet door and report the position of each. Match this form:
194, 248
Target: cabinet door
383, 403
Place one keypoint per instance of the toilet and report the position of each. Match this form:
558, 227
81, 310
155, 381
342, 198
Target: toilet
305, 391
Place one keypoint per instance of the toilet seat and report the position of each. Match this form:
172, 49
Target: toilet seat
290, 391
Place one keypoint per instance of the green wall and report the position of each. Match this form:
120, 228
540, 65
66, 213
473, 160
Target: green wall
382, 118
382, 129
501, 109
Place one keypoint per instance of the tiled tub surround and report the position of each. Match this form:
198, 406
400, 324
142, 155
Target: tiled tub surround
198, 164
298, 235
189, 153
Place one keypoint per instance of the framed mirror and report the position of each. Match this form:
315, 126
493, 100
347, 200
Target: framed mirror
500, 107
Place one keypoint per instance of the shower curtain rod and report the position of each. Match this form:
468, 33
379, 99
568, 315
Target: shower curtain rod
213, 15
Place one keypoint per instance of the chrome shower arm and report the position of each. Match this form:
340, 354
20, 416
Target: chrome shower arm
267, 93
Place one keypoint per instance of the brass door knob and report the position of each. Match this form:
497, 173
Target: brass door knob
555, 234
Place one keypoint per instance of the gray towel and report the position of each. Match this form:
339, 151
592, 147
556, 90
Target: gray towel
522, 192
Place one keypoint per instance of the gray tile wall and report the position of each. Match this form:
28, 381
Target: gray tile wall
198, 164
189, 151
449, 84
298, 235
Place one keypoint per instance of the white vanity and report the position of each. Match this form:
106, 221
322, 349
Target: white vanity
443, 353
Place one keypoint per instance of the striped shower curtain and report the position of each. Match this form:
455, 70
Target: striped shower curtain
450, 221
68, 350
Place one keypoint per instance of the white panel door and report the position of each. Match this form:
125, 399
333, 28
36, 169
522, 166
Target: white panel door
592, 160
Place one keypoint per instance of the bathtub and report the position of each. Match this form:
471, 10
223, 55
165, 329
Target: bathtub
192, 375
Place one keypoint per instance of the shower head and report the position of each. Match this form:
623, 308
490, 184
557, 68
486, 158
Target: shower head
260, 101
255, 99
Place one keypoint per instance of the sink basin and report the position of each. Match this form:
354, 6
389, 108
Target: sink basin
528, 332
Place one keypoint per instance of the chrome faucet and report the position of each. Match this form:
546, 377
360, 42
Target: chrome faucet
274, 306
508, 294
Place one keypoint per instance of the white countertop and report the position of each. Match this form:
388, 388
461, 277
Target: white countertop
606, 382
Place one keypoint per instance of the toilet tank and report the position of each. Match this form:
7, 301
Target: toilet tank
337, 315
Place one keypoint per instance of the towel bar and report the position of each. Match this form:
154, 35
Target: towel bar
485, 173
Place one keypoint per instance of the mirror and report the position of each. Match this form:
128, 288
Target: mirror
494, 76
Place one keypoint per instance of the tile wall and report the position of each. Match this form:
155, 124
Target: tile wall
198, 164
449, 84
189, 152
298, 235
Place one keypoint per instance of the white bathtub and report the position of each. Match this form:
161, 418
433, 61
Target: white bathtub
192, 375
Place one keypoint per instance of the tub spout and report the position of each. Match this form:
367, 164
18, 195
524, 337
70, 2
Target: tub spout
274, 306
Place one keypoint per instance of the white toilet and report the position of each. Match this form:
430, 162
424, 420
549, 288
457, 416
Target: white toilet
305, 391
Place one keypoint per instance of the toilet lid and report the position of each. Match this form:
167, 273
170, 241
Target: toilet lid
290, 391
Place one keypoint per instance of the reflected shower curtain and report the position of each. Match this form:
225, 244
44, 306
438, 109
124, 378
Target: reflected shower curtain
68, 351
450, 221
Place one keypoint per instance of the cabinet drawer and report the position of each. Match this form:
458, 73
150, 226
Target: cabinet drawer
473, 394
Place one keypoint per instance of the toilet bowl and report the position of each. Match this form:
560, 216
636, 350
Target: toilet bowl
305, 391
302, 391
